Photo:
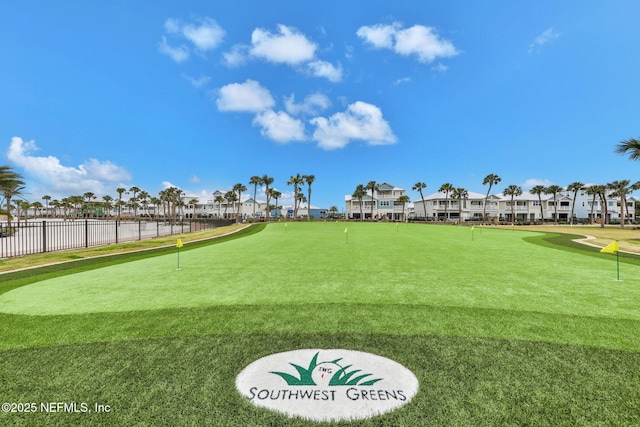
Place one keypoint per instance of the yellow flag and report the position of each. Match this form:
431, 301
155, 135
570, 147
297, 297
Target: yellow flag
179, 243
473, 227
346, 230
611, 248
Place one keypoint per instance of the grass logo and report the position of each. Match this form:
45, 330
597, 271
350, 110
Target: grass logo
327, 385
334, 372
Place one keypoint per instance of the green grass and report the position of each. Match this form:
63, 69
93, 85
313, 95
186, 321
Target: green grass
501, 327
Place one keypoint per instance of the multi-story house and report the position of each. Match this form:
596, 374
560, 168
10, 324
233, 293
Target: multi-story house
443, 207
527, 207
383, 202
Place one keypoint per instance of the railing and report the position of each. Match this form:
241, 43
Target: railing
33, 237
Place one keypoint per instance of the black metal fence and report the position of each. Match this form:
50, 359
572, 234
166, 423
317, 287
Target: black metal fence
33, 237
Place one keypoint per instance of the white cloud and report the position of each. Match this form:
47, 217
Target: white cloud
288, 46
532, 182
312, 105
402, 80
199, 82
547, 36
248, 97
92, 176
178, 54
325, 69
279, 126
194, 179
419, 40
440, 68
204, 36
361, 121
237, 56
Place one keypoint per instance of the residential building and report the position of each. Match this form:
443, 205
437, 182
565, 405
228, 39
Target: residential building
384, 203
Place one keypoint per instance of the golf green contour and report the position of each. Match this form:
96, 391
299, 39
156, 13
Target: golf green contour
498, 326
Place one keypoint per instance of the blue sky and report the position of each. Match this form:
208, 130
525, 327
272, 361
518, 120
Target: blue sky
202, 95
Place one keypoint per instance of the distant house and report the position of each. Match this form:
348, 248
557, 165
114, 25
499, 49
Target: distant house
384, 202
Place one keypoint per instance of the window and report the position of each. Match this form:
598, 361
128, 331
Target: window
384, 203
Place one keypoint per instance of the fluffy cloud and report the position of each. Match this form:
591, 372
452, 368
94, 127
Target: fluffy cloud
312, 105
361, 121
247, 97
288, 46
92, 176
532, 182
418, 40
178, 54
279, 126
204, 36
547, 36
326, 70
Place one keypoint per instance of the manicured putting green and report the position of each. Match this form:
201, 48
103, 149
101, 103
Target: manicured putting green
320, 263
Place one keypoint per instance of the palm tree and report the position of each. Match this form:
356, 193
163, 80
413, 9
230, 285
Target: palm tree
144, 200
156, 202
266, 181
491, 179
89, 196
239, 188
23, 205
446, 188
333, 210
419, 186
255, 181
622, 189
107, 204
120, 191
301, 199
11, 185
554, 190
276, 195
630, 146
513, 191
592, 190
359, 193
56, 205
309, 180
460, 194
135, 190
404, 199
230, 197
575, 187
538, 190
218, 199
604, 210
46, 199
373, 187
37, 208
295, 180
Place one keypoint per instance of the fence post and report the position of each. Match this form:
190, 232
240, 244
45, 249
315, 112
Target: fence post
157, 228
139, 230
116, 224
86, 233
44, 236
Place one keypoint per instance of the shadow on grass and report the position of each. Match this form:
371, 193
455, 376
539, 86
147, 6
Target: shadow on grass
191, 381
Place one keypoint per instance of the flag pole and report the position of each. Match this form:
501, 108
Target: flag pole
179, 245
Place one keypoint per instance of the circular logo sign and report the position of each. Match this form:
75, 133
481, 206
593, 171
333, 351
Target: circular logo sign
327, 385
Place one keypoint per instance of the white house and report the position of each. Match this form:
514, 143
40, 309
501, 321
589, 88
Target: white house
383, 202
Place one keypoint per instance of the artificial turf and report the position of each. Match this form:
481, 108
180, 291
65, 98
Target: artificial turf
498, 331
